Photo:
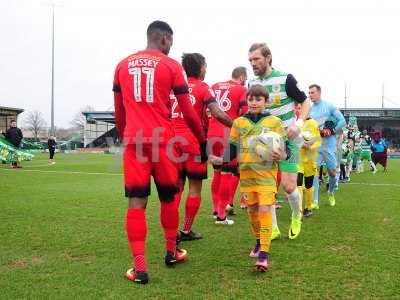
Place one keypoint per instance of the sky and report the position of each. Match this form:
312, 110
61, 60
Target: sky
331, 43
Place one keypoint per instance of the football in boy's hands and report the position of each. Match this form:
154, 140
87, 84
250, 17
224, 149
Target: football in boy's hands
266, 145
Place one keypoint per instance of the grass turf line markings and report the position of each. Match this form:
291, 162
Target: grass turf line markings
64, 172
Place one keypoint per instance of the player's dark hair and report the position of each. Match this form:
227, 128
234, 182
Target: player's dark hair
12, 121
265, 51
239, 71
192, 63
159, 27
315, 86
258, 90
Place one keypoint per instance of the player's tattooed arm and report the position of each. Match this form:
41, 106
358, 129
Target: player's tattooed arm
217, 113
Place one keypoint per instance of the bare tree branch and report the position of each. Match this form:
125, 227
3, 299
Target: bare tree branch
79, 119
35, 122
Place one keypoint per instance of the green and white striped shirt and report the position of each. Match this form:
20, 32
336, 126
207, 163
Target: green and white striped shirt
283, 92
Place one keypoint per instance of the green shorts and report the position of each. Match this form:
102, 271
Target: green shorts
366, 155
357, 154
291, 164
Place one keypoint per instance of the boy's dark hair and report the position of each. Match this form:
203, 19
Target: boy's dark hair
258, 90
192, 63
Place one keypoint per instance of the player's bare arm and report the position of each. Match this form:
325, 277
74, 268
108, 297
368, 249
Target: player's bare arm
217, 113
119, 113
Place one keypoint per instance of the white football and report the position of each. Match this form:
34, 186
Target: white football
264, 144
308, 138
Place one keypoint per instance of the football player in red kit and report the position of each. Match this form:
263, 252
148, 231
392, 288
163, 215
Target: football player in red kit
142, 84
202, 98
231, 98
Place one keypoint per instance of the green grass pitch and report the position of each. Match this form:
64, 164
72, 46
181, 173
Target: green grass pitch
62, 237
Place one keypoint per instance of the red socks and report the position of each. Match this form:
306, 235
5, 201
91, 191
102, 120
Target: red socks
169, 217
136, 231
191, 209
215, 184
177, 198
224, 194
234, 185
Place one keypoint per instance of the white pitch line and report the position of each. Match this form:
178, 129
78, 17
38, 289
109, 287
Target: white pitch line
64, 172
38, 166
120, 174
373, 184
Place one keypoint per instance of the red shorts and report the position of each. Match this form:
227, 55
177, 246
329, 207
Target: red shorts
217, 148
191, 166
140, 163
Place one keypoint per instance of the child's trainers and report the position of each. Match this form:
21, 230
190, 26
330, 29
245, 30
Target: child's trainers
262, 261
256, 250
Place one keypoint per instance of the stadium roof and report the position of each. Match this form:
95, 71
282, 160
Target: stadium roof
363, 113
379, 109
105, 116
7, 111
372, 113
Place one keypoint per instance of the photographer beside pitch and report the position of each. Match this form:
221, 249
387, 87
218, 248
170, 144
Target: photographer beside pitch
14, 136
51, 144
258, 177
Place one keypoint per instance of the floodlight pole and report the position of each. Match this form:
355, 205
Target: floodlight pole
383, 95
52, 133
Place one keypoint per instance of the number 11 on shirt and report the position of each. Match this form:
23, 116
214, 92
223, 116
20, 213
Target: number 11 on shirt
137, 78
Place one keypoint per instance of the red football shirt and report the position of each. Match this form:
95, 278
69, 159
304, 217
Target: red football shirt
145, 80
231, 98
200, 95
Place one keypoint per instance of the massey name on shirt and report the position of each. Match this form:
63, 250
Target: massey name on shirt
142, 62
